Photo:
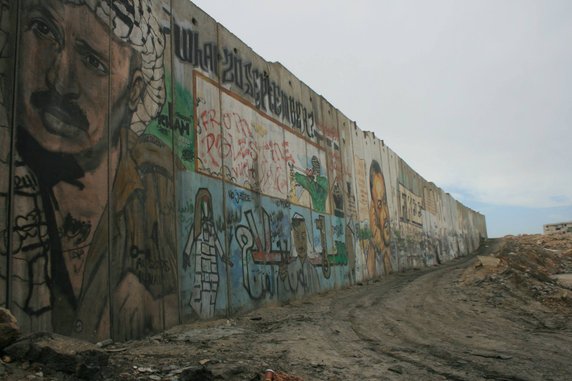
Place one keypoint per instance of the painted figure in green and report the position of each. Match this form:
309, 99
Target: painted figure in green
315, 184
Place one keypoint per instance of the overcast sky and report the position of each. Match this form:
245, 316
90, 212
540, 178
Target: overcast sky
475, 95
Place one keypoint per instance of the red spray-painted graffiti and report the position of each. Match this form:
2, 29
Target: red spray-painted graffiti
252, 154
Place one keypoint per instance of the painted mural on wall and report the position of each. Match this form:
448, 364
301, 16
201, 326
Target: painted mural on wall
411, 207
201, 256
162, 172
274, 242
378, 221
92, 192
374, 226
5, 144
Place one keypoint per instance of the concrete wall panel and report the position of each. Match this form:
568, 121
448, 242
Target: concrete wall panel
204, 256
7, 75
172, 174
350, 228
374, 257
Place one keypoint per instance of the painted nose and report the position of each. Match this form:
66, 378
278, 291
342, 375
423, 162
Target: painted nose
62, 75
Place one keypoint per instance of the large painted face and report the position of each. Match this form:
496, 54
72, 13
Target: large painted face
379, 199
74, 80
380, 206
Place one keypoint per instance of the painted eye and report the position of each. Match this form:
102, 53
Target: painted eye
42, 29
95, 64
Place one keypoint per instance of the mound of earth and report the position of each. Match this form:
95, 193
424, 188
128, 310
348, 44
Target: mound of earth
531, 272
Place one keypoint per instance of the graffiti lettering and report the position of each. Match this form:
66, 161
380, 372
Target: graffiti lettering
189, 49
256, 283
77, 259
25, 182
237, 196
267, 94
29, 233
74, 228
148, 268
182, 123
411, 207
259, 249
251, 157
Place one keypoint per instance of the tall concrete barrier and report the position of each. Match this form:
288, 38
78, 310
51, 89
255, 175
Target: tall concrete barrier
155, 170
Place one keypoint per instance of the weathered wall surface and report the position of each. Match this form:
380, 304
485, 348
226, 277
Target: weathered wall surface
155, 170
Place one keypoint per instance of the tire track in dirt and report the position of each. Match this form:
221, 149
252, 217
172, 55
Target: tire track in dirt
435, 328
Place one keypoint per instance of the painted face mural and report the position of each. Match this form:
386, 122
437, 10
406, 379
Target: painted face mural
93, 267
379, 220
100, 116
63, 99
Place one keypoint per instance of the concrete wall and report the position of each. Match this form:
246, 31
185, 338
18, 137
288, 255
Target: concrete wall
155, 170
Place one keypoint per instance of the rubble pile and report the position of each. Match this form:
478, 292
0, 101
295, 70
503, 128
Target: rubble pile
530, 268
9, 330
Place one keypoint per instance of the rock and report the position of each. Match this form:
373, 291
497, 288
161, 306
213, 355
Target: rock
104, 343
487, 261
60, 353
280, 376
565, 280
396, 369
9, 330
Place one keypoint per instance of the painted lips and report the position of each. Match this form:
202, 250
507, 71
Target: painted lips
60, 115
58, 122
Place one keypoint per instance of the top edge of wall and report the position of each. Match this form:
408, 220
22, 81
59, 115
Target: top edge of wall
277, 65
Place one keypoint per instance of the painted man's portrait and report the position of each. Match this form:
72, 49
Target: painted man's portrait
99, 195
379, 222
302, 274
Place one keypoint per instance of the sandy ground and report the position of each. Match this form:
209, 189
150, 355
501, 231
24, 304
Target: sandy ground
499, 314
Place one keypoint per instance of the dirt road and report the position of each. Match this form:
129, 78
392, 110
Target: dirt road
459, 321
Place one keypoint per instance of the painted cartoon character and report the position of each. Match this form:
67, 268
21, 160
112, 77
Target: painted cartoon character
314, 183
